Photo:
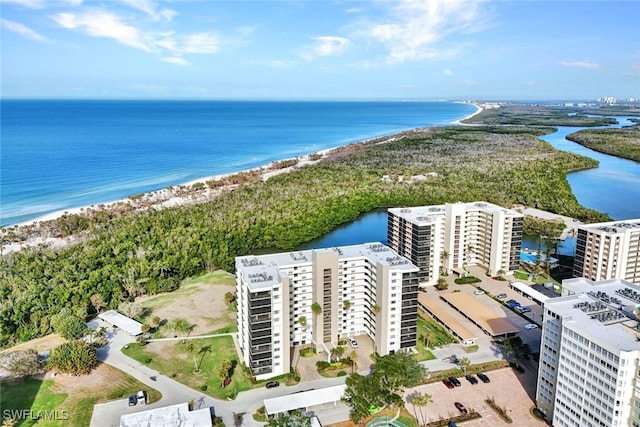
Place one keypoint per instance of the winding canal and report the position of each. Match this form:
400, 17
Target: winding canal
613, 187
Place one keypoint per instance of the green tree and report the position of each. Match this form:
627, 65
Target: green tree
346, 305
224, 369
295, 419
302, 321
444, 259
68, 325
229, 297
338, 352
384, 386
73, 357
316, 308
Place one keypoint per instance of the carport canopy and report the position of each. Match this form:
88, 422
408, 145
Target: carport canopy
304, 399
123, 322
480, 314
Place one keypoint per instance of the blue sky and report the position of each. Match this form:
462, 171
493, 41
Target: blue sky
320, 49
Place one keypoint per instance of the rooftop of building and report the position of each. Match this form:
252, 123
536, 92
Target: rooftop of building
177, 415
264, 270
614, 227
428, 214
608, 310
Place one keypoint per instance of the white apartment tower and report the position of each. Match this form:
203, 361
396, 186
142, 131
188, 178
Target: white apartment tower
589, 371
362, 289
608, 250
456, 235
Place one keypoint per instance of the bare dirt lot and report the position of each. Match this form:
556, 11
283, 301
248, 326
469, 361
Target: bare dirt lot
199, 301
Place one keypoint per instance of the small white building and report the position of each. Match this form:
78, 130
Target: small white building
127, 324
177, 415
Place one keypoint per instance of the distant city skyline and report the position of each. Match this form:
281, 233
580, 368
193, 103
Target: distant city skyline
404, 49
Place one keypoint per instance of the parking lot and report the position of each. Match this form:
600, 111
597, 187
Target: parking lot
510, 390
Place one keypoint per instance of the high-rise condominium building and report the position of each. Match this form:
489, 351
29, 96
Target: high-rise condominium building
319, 296
589, 354
608, 250
456, 235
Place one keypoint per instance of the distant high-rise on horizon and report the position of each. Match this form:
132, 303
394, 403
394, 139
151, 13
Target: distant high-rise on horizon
608, 250
454, 236
320, 296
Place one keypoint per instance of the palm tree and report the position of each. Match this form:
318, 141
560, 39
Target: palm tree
316, 308
191, 348
444, 258
464, 364
346, 305
421, 401
337, 352
353, 358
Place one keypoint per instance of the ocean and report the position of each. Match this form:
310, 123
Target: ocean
64, 154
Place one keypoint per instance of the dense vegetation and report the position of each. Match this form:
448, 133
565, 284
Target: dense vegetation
624, 142
152, 251
536, 115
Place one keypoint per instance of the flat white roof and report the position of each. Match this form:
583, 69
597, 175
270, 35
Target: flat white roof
123, 322
177, 415
304, 399
529, 291
427, 214
262, 271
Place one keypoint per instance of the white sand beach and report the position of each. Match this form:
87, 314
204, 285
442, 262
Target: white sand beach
35, 231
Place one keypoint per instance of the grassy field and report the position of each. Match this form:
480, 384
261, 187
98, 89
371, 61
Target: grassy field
176, 362
438, 335
69, 401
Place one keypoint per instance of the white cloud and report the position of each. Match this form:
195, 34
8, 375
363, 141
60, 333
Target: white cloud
200, 43
580, 64
419, 28
41, 4
23, 30
447, 72
175, 60
99, 23
151, 8
326, 46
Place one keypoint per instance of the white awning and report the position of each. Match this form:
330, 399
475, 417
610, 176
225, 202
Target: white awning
304, 399
123, 322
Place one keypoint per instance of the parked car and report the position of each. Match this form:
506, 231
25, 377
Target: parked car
478, 292
502, 296
513, 303
142, 397
471, 379
448, 383
352, 342
461, 408
485, 379
454, 381
530, 326
133, 400
522, 308
272, 384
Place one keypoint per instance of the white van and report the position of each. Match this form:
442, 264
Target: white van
141, 398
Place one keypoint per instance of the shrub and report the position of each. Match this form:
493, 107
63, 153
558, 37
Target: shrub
204, 388
341, 374
68, 325
74, 357
466, 279
322, 365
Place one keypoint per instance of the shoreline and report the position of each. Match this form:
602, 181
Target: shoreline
479, 109
178, 195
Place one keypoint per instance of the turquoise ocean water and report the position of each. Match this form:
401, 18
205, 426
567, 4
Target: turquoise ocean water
63, 154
